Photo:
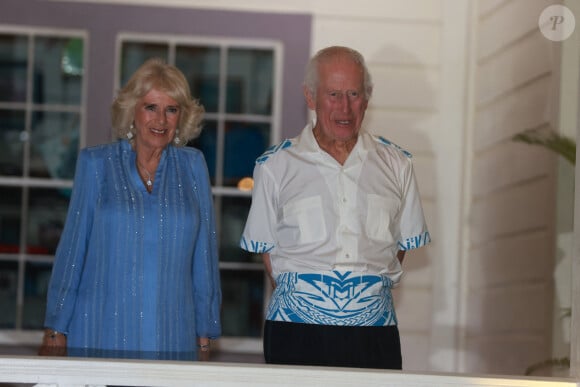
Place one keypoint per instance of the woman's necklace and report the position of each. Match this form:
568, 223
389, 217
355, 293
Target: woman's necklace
149, 180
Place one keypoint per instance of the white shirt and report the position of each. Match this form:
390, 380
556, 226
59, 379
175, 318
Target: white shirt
312, 214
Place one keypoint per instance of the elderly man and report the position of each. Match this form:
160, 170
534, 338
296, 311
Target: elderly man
333, 212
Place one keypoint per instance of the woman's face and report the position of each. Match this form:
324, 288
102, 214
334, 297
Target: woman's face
156, 119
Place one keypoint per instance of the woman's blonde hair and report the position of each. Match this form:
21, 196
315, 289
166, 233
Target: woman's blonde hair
156, 74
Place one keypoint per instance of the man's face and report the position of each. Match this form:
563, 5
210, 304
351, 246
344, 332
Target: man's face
340, 101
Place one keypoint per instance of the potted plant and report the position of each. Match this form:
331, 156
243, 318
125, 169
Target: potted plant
565, 147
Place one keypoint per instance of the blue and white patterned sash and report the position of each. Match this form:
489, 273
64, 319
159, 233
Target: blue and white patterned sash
333, 298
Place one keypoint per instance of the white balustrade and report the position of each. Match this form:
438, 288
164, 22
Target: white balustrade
69, 372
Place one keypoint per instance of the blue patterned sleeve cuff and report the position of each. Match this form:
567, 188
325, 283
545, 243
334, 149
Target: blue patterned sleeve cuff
256, 246
415, 241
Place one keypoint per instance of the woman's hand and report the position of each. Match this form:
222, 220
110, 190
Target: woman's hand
53, 344
203, 346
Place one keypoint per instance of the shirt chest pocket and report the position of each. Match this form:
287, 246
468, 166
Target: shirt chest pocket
303, 221
381, 218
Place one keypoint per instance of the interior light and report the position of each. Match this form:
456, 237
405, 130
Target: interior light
246, 184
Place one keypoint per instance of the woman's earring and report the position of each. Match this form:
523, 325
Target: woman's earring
130, 133
176, 139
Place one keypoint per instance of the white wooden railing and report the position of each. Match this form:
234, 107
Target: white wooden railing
63, 372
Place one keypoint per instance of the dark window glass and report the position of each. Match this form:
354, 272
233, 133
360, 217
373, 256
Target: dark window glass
244, 142
135, 54
10, 221
234, 211
36, 278
13, 68
250, 81
8, 294
201, 67
54, 144
46, 217
12, 139
243, 302
58, 64
207, 143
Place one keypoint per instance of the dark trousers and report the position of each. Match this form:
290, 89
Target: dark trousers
332, 346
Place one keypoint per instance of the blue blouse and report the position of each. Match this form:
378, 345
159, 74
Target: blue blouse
136, 273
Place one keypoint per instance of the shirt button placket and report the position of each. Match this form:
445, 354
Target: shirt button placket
343, 201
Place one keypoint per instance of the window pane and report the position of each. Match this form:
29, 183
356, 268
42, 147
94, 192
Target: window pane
10, 211
8, 290
13, 67
233, 214
244, 143
201, 66
243, 301
54, 144
57, 75
46, 216
134, 54
207, 143
250, 81
12, 133
36, 277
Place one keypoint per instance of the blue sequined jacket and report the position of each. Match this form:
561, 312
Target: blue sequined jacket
136, 274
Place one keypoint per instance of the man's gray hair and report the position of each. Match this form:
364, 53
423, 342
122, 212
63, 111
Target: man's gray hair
311, 78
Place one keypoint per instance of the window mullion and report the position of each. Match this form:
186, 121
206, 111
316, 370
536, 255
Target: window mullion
25, 138
24, 219
223, 74
171, 53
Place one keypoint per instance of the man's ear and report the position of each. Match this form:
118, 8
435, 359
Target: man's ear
309, 98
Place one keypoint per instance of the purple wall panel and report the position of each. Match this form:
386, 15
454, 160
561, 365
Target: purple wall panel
104, 21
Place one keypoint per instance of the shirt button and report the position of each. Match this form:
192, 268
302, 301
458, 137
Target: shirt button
347, 256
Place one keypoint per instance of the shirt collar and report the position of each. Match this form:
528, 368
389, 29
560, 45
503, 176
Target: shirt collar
307, 143
306, 140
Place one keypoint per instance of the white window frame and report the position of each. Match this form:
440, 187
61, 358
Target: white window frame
17, 335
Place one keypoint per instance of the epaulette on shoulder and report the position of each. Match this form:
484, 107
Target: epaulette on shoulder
384, 141
272, 150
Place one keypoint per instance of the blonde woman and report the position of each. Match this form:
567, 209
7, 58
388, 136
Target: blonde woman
136, 270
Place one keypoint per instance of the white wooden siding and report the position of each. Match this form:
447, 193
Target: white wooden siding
512, 202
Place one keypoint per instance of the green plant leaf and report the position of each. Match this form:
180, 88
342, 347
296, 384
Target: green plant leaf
563, 362
562, 145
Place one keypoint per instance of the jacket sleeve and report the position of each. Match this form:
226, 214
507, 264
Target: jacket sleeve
70, 253
206, 276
